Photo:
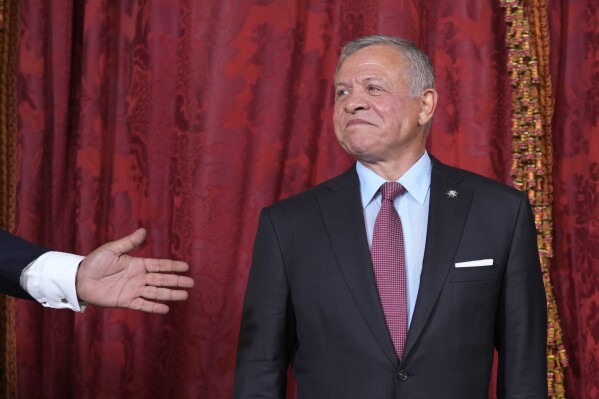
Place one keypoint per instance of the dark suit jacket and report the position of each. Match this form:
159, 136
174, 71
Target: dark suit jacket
15, 255
312, 302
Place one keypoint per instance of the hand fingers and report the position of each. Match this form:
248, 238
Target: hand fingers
160, 294
164, 294
168, 280
148, 306
144, 303
165, 265
127, 243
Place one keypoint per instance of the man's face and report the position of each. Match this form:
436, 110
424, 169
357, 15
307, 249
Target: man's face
375, 118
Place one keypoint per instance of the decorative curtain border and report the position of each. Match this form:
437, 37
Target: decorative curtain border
527, 39
9, 39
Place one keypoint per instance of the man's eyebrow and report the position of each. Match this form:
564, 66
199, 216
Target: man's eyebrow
371, 79
365, 80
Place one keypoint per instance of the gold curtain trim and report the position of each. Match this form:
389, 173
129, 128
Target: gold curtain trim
527, 39
9, 38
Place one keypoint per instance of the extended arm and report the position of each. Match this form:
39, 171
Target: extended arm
108, 277
15, 255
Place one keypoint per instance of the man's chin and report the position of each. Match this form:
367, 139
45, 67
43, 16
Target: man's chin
357, 144
362, 155
358, 150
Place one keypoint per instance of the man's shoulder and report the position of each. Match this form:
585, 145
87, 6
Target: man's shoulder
308, 197
473, 181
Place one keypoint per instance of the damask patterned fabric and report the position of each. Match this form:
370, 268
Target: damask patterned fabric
188, 116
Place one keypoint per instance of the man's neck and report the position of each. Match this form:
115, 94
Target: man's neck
394, 169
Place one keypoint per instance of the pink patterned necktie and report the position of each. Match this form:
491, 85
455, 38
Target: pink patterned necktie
389, 261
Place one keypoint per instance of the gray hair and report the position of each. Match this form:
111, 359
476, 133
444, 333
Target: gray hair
418, 67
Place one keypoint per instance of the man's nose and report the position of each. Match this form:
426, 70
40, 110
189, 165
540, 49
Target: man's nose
357, 101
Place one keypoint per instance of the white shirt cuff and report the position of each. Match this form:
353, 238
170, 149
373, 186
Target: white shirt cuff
50, 280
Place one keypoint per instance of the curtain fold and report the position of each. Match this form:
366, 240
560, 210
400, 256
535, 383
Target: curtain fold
187, 117
574, 53
9, 39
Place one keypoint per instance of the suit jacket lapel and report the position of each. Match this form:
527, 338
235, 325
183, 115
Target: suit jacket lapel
447, 217
344, 219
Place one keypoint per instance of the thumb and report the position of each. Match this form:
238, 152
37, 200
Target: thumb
127, 243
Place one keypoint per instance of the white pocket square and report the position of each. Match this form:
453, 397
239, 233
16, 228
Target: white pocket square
475, 263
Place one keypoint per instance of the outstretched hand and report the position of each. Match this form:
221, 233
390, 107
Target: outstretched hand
108, 277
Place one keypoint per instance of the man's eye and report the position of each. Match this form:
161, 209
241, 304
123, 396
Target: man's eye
374, 89
341, 93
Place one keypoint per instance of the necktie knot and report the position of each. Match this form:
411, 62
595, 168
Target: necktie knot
391, 190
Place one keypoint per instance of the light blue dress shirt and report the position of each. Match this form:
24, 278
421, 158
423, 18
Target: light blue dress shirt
412, 207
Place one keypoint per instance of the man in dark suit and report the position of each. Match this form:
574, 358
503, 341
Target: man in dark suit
107, 277
365, 304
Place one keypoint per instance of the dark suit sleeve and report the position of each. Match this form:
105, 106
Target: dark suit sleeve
267, 333
16, 255
521, 329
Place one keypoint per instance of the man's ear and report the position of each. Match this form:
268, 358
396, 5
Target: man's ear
428, 102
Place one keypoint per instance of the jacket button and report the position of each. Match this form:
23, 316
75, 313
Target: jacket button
402, 375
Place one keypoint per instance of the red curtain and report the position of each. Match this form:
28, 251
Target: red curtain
575, 273
188, 116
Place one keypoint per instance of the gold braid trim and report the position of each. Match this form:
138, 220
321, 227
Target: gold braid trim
9, 39
532, 150
556, 352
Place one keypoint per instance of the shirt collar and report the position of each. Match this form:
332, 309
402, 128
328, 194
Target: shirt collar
416, 180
